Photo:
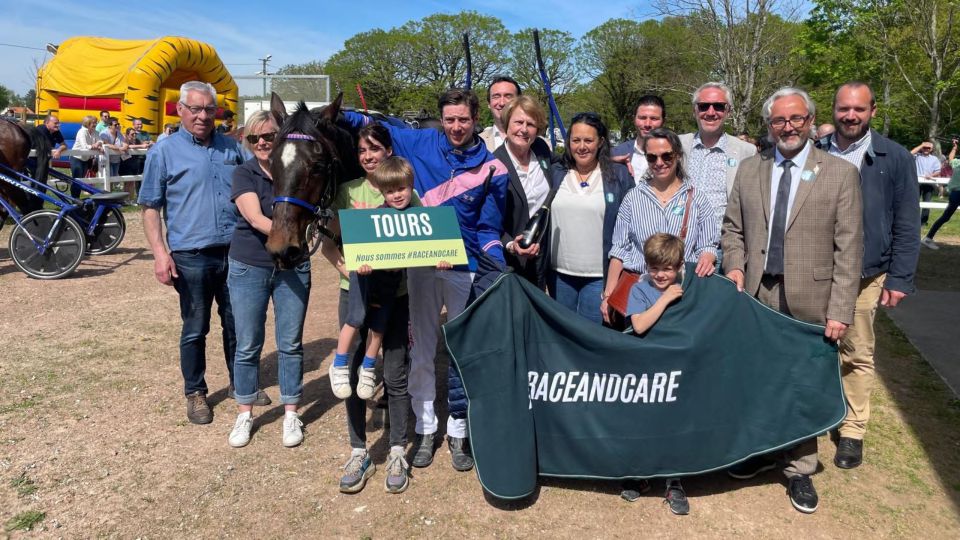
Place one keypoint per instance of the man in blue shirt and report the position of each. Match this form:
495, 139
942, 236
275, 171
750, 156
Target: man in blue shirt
188, 177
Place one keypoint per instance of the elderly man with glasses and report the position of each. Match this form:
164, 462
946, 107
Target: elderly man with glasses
188, 176
712, 156
793, 239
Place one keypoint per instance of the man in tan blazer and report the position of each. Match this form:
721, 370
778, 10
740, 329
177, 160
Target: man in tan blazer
793, 238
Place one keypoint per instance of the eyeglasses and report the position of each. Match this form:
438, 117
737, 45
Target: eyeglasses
717, 106
667, 158
267, 137
196, 109
796, 121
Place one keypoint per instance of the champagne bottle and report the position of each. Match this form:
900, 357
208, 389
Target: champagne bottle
538, 223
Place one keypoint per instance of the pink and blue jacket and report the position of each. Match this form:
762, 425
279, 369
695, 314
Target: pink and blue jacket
448, 176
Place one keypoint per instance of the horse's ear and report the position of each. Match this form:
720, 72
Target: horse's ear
277, 109
332, 111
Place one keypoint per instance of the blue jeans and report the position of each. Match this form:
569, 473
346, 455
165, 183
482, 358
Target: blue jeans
952, 205
251, 288
202, 278
78, 170
580, 294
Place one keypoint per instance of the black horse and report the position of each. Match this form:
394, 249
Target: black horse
16, 140
312, 155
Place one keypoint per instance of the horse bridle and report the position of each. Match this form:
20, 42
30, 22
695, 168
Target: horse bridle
321, 212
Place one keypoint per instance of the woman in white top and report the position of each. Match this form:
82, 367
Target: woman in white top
527, 157
87, 139
589, 190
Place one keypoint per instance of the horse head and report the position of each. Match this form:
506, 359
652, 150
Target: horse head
310, 157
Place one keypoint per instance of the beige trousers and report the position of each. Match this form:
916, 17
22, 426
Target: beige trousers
856, 358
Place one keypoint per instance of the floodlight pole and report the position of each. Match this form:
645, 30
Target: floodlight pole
264, 72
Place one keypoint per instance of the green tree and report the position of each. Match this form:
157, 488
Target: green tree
558, 49
748, 42
437, 57
6, 97
305, 89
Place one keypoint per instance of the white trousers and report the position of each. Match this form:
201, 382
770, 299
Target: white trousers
430, 290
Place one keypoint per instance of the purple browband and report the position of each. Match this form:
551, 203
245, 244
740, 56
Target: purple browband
300, 137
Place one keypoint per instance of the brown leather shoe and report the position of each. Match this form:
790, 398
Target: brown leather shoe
198, 411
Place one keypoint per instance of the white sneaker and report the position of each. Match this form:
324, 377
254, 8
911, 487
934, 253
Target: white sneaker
928, 242
292, 429
240, 435
340, 381
367, 385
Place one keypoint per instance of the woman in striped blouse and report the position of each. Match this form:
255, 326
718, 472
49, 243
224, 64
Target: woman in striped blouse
658, 205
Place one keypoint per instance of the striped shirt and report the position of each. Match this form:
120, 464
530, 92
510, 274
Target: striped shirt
641, 216
854, 153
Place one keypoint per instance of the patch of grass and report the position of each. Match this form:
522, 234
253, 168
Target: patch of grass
25, 404
25, 521
24, 485
951, 228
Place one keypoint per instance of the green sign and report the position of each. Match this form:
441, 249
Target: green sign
387, 238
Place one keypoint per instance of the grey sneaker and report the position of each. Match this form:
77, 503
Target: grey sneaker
292, 430
928, 242
356, 471
398, 476
198, 411
460, 454
676, 498
367, 383
240, 435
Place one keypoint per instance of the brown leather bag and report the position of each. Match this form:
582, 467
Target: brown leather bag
621, 293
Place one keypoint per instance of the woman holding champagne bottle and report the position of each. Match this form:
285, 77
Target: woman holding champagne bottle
527, 157
589, 188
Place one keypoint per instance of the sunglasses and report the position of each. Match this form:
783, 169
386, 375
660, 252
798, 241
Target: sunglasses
267, 137
705, 106
667, 158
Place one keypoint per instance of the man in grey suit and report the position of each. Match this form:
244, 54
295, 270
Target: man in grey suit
712, 156
793, 238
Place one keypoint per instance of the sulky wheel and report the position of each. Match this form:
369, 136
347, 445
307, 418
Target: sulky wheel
63, 252
108, 234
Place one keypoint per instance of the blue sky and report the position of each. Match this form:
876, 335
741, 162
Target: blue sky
292, 31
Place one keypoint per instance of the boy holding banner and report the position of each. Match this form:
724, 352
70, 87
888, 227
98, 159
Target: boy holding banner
649, 298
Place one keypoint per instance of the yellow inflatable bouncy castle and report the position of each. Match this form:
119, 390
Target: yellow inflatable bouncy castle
130, 78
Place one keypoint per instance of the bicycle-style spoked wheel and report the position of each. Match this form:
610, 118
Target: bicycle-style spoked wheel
108, 234
66, 247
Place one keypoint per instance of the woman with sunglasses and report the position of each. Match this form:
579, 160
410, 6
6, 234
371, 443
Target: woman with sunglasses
373, 146
658, 205
589, 190
253, 281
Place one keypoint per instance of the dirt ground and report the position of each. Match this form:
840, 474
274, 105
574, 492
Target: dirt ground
94, 441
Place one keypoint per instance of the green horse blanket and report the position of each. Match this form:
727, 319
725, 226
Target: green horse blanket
718, 379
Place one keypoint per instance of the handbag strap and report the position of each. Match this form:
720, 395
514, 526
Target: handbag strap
686, 215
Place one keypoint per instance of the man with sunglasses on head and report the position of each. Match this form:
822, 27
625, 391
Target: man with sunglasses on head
188, 178
712, 156
651, 113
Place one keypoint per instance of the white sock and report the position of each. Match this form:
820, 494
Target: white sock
396, 449
358, 452
291, 413
244, 415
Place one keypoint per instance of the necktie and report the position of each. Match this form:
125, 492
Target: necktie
775, 251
